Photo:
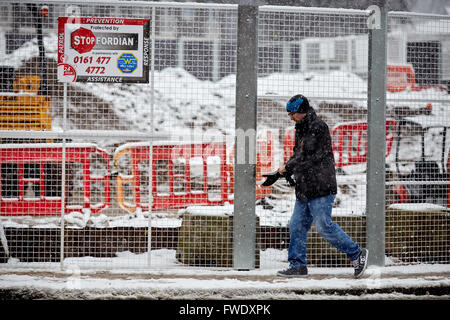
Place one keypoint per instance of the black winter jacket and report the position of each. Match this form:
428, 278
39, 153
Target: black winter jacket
312, 163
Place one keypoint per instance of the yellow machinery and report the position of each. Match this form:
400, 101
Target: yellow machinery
27, 106
24, 109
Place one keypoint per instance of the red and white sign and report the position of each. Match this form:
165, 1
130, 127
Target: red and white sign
82, 40
108, 50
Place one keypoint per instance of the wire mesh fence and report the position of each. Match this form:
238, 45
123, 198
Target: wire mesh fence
311, 53
417, 188
109, 175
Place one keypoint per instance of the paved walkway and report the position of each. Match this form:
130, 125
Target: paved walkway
198, 284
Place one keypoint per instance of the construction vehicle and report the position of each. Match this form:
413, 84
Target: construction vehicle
422, 162
24, 100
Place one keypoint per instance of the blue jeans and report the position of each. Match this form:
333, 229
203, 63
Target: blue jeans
317, 210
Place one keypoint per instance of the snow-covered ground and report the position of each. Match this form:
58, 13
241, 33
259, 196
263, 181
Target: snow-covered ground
390, 282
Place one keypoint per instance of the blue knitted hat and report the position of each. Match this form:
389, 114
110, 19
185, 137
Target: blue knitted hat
298, 103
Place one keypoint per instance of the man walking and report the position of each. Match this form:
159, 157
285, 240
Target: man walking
312, 165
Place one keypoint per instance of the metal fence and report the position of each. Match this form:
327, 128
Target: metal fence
109, 175
418, 168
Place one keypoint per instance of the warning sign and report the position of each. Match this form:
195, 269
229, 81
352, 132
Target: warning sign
82, 40
103, 50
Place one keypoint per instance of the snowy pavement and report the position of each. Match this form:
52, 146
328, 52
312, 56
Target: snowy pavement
415, 282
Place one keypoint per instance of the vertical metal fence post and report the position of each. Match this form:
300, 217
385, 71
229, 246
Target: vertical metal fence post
63, 180
150, 147
244, 221
376, 146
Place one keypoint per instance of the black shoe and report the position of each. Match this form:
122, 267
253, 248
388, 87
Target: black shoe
294, 272
360, 264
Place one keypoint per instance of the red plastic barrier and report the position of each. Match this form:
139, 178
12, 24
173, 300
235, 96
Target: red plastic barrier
401, 193
288, 143
264, 161
399, 78
402, 77
349, 142
16, 158
169, 154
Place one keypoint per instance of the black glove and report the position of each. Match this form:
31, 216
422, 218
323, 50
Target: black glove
272, 177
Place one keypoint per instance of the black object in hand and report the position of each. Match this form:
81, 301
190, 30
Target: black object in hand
272, 177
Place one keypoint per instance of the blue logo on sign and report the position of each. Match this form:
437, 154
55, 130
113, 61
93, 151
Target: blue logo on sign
127, 63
